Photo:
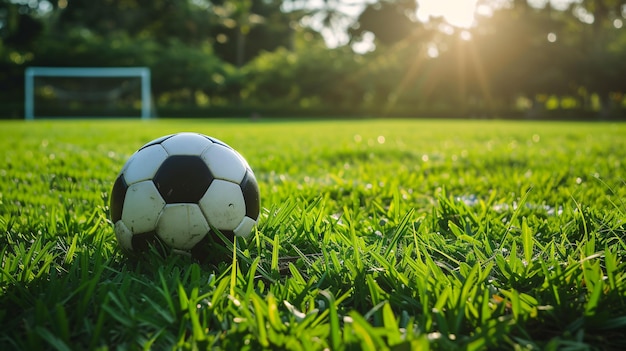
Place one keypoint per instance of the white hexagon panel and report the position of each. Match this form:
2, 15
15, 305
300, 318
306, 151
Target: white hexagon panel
144, 164
224, 163
244, 229
223, 205
124, 235
142, 207
182, 225
186, 144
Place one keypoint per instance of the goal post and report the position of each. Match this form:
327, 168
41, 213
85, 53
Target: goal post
31, 73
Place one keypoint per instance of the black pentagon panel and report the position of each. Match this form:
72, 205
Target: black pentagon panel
250, 190
157, 141
117, 198
145, 241
211, 249
183, 179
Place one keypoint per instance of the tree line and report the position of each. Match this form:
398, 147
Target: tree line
239, 57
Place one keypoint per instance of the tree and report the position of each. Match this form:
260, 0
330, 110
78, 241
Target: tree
244, 28
389, 20
602, 66
158, 19
19, 30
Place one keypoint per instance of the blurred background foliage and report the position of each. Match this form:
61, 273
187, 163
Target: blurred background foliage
520, 59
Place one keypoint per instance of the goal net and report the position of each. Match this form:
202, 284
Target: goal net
87, 92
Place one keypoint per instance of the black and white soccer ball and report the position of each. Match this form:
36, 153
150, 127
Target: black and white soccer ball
178, 190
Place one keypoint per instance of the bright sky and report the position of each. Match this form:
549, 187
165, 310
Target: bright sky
456, 12
459, 13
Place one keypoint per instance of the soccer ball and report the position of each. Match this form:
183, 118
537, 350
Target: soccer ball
176, 191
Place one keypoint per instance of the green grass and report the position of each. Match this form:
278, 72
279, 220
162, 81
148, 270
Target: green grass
374, 234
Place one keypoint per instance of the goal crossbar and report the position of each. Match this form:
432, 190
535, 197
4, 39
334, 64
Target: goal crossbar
97, 72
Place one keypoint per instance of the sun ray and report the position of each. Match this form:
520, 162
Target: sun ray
481, 76
412, 71
462, 73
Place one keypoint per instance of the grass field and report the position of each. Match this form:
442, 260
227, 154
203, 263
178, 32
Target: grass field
374, 234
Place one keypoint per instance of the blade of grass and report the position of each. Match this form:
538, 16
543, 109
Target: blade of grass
527, 242
516, 213
335, 336
259, 312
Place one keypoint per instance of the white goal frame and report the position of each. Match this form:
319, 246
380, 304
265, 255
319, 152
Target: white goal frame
115, 72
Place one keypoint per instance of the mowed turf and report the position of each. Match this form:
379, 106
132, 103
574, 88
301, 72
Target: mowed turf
374, 234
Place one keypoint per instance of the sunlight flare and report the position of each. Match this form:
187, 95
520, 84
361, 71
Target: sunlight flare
459, 13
